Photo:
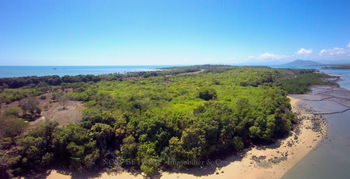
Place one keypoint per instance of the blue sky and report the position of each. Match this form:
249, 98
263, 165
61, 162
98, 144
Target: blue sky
160, 32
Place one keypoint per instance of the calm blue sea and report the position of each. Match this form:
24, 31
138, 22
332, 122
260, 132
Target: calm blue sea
17, 71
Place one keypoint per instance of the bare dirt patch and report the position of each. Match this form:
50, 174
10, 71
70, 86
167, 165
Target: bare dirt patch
55, 112
52, 110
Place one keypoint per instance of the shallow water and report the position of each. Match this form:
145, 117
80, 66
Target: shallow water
345, 76
331, 159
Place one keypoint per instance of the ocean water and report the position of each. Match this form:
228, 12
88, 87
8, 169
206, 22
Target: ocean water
331, 159
17, 71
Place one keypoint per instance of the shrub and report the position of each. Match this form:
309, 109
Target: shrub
207, 94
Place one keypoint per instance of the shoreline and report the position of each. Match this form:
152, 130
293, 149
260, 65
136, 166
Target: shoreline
271, 161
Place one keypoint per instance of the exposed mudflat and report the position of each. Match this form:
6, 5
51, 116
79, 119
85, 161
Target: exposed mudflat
326, 100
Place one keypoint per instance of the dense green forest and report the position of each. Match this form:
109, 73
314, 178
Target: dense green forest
149, 121
13, 89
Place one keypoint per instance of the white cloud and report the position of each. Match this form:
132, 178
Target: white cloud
267, 55
348, 45
333, 52
303, 51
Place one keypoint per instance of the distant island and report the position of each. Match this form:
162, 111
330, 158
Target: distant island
300, 62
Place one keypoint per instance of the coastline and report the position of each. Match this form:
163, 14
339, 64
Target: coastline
271, 161
330, 159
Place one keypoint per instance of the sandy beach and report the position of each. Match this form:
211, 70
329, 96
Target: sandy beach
271, 161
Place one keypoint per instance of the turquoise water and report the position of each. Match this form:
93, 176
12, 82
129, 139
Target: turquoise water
331, 159
16, 71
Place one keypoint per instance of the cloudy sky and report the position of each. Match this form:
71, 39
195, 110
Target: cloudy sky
158, 32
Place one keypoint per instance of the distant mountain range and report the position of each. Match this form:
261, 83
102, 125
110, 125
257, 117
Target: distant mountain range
303, 63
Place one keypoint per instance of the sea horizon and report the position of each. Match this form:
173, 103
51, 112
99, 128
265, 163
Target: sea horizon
22, 71
62, 70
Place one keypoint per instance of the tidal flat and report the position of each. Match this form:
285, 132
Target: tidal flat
330, 159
